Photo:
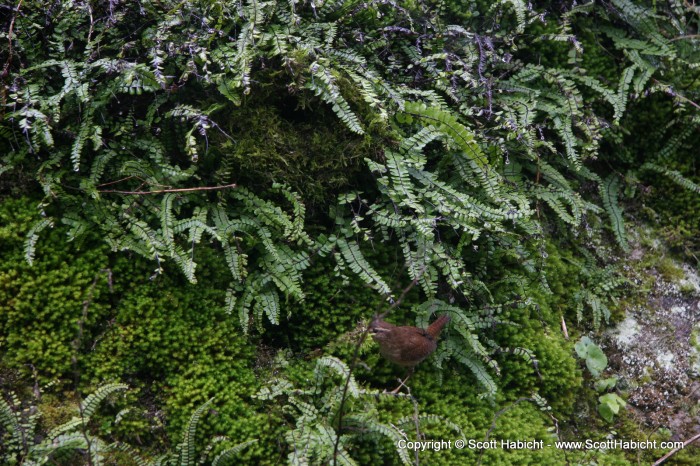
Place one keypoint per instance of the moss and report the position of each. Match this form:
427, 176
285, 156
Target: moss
175, 341
176, 347
57, 409
170, 340
669, 270
278, 140
687, 288
48, 309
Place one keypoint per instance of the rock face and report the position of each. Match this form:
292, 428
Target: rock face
655, 351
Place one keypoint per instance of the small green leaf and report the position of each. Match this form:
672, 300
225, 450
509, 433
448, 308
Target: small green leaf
596, 361
581, 347
606, 384
606, 412
610, 405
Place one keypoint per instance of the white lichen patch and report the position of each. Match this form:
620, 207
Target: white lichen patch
694, 354
665, 360
655, 350
691, 280
678, 310
627, 331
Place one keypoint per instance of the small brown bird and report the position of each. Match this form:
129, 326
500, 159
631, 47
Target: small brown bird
406, 345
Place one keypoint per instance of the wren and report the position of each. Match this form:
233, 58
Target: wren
406, 345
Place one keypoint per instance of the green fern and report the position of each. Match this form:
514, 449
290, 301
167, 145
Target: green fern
354, 259
11, 421
674, 175
33, 237
609, 191
71, 435
187, 447
316, 438
92, 402
323, 85
229, 453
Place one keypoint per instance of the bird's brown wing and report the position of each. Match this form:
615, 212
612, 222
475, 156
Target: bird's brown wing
418, 346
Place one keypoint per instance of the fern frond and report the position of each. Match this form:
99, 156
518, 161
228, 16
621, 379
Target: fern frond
229, 453
390, 432
92, 402
354, 259
323, 85
451, 349
520, 9
447, 123
339, 367
609, 191
10, 420
187, 447
674, 175
33, 237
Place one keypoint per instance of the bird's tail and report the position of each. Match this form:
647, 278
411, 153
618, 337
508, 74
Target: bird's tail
436, 327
